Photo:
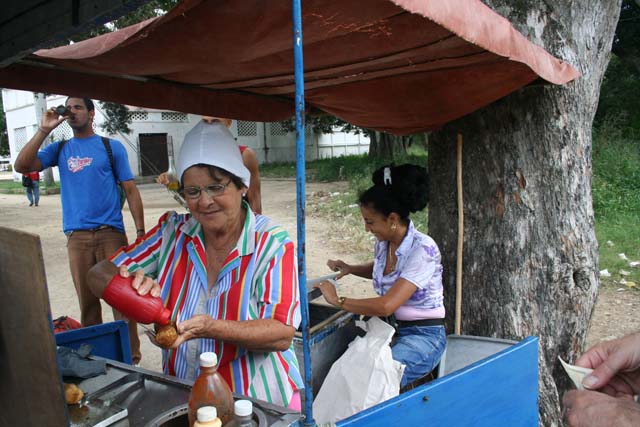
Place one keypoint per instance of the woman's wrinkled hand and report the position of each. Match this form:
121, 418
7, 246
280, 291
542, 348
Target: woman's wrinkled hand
163, 179
339, 265
616, 366
141, 283
197, 327
584, 408
329, 292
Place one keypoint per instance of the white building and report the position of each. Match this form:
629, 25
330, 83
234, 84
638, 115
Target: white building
153, 129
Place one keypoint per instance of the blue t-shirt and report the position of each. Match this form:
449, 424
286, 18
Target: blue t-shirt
88, 189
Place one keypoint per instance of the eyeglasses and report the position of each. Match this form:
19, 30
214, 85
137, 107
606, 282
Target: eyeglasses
213, 190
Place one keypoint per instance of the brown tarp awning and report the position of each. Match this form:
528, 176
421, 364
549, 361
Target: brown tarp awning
399, 66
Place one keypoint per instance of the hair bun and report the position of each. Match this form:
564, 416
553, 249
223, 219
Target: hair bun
409, 184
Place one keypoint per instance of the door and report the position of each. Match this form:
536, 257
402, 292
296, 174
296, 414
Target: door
153, 153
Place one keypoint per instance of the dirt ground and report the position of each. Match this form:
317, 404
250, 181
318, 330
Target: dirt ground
616, 311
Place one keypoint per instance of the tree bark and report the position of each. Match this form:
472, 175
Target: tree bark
40, 102
387, 146
530, 251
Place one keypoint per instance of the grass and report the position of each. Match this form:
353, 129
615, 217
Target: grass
616, 235
616, 202
341, 208
14, 186
278, 170
346, 168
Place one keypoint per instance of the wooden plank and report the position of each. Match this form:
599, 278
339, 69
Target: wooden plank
501, 390
29, 26
30, 385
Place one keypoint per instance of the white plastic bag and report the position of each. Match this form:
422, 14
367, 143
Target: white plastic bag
363, 376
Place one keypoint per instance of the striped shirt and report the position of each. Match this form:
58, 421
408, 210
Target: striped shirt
258, 280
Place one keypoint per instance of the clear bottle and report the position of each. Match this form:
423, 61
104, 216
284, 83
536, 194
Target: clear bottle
174, 184
243, 410
207, 417
210, 389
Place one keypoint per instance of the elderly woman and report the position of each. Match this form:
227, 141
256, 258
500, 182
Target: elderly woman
228, 276
406, 270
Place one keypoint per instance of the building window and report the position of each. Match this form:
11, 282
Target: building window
172, 116
63, 131
247, 128
20, 135
276, 129
139, 116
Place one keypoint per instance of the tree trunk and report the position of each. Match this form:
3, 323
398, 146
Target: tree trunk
387, 146
530, 252
40, 102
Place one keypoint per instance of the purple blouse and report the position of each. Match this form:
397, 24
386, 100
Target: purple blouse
419, 262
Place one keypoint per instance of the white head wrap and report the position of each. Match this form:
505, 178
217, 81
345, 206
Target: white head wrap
212, 144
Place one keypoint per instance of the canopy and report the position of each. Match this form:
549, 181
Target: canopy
400, 66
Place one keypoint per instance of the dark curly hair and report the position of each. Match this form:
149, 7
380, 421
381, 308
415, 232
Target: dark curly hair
407, 192
87, 102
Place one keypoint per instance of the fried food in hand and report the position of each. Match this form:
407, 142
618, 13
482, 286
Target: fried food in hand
72, 393
166, 335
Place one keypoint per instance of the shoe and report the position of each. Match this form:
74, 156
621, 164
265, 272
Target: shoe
36, 205
30, 204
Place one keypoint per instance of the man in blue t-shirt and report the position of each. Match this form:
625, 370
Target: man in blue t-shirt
91, 213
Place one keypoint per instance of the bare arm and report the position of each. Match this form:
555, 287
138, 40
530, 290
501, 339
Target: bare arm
254, 335
381, 306
100, 275
361, 270
135, 205
27, 160
253, 195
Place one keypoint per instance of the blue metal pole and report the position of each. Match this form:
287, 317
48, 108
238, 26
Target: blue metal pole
300, 204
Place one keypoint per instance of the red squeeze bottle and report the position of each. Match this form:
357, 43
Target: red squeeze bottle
142, 308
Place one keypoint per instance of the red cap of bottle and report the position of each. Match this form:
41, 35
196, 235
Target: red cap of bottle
120, 295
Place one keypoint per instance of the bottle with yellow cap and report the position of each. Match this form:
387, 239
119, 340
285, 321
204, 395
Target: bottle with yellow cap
207, 417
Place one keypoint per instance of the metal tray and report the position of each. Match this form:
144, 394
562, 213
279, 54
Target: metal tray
463, 350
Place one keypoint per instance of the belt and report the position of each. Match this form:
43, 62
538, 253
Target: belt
93, 230
421, 322
101, 227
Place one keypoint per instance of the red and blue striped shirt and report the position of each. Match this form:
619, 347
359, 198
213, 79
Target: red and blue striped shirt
258, 280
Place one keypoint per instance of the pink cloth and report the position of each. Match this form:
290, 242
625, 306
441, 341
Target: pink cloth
413, 313
296, 402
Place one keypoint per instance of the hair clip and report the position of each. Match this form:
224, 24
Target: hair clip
387, 176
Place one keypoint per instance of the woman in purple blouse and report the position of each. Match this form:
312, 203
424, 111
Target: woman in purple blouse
406, 270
